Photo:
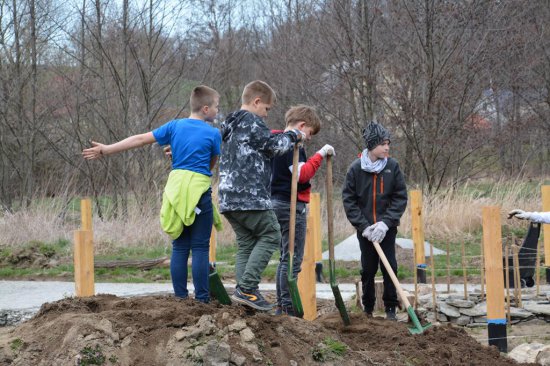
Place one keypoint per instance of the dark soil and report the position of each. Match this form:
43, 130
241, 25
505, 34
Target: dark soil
142, 331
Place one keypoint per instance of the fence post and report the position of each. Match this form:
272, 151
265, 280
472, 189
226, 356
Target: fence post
306, 277
417, 228
84, 252
492, 242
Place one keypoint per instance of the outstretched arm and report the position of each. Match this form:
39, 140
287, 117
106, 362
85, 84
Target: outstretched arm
540, 217
128, 143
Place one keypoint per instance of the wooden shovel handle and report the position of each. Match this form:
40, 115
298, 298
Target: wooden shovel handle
293, 198
330, 214
394, 279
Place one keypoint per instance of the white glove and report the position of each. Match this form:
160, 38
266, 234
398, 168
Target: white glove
326, 150
367, 232
378, 232
520, 214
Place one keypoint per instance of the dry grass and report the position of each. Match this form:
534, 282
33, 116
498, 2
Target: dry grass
453, 214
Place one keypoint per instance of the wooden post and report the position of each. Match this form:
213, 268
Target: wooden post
517, 275
464, 272
545, 190
507, 269
86, 214
417, 227
492, 240
306, 277
432, 264
482, 270
448, 267
83, 263
213, 243
314, 223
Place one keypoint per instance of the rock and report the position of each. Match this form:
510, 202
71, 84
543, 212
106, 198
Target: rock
107, 327
448, 310
477, 325
480, 319
440, 317
520, 313
526, 352
460, 303
237, 326
293, 363
225, 316
537, 308
478, 310
204, 326
237, 359
180, 334
217, 353
543, 357
247, 335
462, 320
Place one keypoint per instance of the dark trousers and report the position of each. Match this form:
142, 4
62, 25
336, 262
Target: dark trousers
282, 210
194, 239
369, 266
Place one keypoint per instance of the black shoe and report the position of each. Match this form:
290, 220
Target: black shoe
251, 298
288, 310
368, 313
390, 313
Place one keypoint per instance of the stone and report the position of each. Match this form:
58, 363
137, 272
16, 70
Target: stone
526, 352
247, 335
537, 308
478, 310
448, 310
237, 326
480, 319
543, 357
462, 320
217, 353
520, 313
293, 363
237, 359
477, 325
460, 303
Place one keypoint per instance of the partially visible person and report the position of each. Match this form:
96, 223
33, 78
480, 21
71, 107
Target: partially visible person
539, 217
305, 119
244, 191
375, 198
187, 213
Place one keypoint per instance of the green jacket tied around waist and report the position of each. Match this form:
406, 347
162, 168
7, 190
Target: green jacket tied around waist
182, 193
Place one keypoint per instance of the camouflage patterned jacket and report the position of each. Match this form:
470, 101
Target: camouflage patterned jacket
245, 167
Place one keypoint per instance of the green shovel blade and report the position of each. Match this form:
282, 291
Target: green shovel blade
217, 289
418, 328
293, 289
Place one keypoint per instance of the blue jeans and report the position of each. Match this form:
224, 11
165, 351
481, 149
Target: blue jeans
194, 239
282, 210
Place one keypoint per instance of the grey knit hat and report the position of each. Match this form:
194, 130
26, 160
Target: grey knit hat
375, 134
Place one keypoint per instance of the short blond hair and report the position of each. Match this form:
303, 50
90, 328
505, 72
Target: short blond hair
258, 89
306, 114
202, 95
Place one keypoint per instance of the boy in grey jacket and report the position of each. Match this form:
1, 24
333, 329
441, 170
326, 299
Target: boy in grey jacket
245, 188
375, 198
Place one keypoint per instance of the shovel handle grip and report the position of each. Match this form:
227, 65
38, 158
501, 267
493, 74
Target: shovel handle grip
394, 279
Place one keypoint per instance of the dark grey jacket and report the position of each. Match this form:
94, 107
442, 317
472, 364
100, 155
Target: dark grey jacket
245, 167
370, 197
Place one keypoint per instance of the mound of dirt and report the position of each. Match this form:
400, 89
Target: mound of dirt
163, 330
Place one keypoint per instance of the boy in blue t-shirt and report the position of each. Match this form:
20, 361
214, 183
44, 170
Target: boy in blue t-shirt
195, 148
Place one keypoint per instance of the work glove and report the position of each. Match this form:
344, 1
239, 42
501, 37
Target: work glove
367, 232
520, 214
379, 231
326, 150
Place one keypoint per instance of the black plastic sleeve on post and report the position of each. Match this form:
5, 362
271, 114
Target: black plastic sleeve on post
497, 334
547, 274
421, 273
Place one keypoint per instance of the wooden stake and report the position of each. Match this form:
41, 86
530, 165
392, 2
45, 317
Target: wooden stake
448, 268
492, 240
545, 191
314, 222
86, 214
507, 269
517, 280
433, 280
417, 228
83, 263
464, 272
482, 269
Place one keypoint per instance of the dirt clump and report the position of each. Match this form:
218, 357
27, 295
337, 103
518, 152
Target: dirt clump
164, 330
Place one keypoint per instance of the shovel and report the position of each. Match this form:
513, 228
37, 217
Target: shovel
331, 262
216, 286
292, 283
418, 328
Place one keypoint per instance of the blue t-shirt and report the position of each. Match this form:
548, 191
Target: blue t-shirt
193, 142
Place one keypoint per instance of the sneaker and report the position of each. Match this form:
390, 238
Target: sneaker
251, 298
390, 313
289, 310
279, 310
369, 315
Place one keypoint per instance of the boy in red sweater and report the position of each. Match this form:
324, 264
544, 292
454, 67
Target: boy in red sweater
305, 119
